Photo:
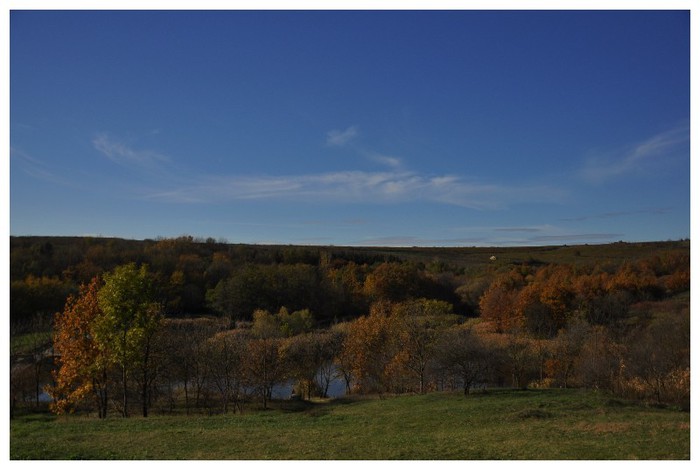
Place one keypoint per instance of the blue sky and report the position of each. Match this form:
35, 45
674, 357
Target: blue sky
404, 128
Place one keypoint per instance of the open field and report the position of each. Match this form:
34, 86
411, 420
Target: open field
504, 424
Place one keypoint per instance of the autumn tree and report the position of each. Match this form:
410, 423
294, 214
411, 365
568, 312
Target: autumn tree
392, 282
557, 294
126, 328
673, 268
82, 365
498, 305
678, 281
637, 279
587, 288
368, 349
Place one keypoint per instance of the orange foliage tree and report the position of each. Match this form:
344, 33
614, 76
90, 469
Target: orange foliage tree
498, 305
392, 282
82, 366
367, 349
545, 304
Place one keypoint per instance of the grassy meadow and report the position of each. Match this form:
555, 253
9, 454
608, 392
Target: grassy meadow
503, 424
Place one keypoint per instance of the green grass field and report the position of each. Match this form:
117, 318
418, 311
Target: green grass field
541, 424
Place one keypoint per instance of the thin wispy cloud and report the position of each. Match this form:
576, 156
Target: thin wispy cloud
534, 235
518, 229
578, 237
336, 223
36, 168
488, 239
123, 154
618, 214
599, 169
355, 187
408, 241
337, 138
385, 160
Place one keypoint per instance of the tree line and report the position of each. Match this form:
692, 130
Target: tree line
191, 276
381, 327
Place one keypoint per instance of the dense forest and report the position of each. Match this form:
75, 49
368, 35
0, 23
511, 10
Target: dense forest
112, 325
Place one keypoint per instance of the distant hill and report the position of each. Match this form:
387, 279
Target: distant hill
193, 273
65, 250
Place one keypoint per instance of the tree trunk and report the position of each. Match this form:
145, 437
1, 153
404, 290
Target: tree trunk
144, 387
144, 398
125, 410
347, 378
125, 413
103, 394
37, 380
103, 404
99, 398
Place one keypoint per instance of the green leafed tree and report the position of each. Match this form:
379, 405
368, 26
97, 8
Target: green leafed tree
126, 329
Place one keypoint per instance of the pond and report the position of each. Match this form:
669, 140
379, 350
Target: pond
336, 388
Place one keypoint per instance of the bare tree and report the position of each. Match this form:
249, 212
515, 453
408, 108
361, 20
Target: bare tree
658, 354
188, 363
226, 353
309, 360
464, 355
264, 366
520, 358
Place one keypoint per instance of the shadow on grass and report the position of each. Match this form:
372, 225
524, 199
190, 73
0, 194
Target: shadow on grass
533, 414
35, 417
312, 407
